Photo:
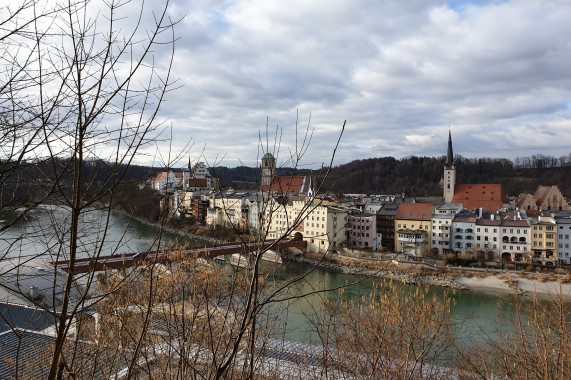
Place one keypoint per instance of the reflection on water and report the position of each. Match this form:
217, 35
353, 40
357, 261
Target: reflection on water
478, 312
44, 234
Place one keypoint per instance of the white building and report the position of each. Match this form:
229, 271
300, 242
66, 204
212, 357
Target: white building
441, 223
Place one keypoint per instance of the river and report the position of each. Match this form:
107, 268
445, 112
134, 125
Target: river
37, 237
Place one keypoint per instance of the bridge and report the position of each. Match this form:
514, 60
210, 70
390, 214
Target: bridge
127, 260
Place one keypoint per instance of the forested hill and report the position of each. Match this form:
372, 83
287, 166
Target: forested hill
421, 176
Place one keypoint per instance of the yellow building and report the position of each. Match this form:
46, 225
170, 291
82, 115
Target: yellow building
543, 239
323, 227
412, 228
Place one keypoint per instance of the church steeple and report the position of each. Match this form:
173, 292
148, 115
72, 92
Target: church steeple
450, 154
449, 180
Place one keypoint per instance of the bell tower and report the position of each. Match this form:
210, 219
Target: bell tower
268, 170
449, 172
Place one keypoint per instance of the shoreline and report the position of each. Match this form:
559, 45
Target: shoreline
505, 283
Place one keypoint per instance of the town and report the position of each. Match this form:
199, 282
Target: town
468, 221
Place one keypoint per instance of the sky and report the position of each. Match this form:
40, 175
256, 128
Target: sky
400, 73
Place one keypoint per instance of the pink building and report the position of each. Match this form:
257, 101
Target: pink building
362, 231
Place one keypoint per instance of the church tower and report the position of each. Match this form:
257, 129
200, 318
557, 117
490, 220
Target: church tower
268, 170
449, 172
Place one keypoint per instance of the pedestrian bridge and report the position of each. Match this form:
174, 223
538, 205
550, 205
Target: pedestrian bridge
127, 260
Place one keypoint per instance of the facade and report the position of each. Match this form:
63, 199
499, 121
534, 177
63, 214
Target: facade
323, 227
441, 223
386, 224
515, 240
545, 198
543, 239
165, 181
412, 228
488, 239
563, 223
463, 235
362, 232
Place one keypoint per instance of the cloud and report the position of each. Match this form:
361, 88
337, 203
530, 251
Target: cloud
400, 73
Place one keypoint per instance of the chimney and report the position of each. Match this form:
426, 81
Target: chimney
492, 217
34, 292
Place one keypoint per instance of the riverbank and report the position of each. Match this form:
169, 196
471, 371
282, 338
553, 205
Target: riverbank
540, 286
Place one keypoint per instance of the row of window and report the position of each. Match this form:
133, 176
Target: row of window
426, 227
548, 228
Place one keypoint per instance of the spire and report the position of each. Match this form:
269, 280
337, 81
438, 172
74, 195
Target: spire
450, 154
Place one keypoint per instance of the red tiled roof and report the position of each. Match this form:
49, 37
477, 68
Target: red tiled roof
533, 213
515, 223
473, 196
414, 211
287, 184
466, 219
160, 176
197, 182
488, 222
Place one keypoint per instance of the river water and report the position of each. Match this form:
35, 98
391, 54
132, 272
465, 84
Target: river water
40, 234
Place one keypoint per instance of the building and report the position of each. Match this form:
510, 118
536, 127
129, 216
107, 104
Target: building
472, 196
449, 172
292, 184
514, 235
441, 223
268, 171
463, 236
362, 231
488, 239
412, 228
165, 181
545, 198
543, 239
323, 227
563, 223
386, 224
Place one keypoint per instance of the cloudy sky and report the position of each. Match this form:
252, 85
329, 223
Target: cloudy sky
399, 72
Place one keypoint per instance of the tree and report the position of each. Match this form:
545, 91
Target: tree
79, 85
